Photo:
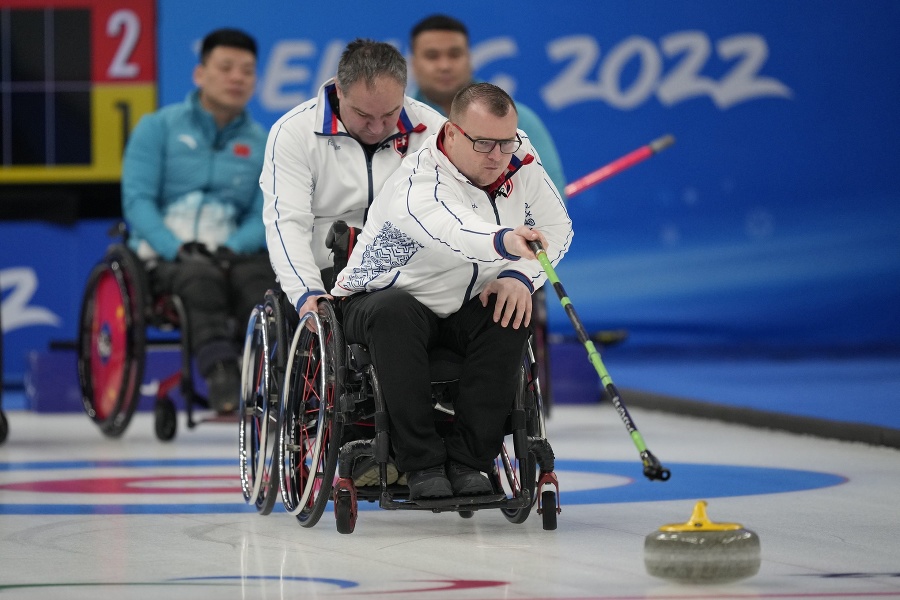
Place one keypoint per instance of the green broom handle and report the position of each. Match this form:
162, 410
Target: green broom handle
652, 468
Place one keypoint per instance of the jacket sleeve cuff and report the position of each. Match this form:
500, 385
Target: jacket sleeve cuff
500, 248
526, 281
304, 297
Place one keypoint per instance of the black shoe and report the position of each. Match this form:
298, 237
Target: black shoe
467, 481
428, 483
366, 472
224, 387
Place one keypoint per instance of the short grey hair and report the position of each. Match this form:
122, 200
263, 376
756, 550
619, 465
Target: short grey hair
497, 101
366, 60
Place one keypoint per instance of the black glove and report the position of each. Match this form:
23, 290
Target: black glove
226, 257
193, 252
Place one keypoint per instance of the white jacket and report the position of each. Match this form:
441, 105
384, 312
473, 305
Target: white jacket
316, 173
437, 235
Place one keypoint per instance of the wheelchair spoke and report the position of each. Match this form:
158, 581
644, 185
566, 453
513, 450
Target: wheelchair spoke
259, 423
308, 456
511, 468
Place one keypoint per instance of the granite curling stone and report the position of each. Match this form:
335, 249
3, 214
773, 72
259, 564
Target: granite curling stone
701, 551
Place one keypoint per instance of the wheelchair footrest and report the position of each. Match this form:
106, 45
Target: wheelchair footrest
453, 503
372, 493
465, 501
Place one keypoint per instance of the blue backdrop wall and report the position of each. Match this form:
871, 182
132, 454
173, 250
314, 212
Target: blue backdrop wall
773, 221
771, 224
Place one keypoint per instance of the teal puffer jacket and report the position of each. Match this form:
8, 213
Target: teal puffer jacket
185, 180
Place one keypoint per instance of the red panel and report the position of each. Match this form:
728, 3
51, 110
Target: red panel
124, 41
33, 4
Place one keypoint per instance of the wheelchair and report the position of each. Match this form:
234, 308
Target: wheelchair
116, 309
332, 412
270, 326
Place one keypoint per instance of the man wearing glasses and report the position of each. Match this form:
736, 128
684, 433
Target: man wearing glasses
443, 260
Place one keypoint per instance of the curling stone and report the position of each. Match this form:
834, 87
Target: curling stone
701, 551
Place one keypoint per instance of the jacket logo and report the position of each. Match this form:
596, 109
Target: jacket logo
529, 218
242, 150
401, 144
331, 142
188, 141
505, 189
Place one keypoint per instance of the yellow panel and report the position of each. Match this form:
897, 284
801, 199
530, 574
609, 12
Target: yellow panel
115, 109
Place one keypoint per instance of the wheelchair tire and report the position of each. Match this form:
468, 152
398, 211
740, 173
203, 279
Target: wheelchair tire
258, 410
111, 340
548, 513
521, 475
311, 429
540, 345
4, 427
520, 478
165, 419
343, 513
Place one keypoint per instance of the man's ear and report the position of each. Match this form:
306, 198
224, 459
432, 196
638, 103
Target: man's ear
198, 74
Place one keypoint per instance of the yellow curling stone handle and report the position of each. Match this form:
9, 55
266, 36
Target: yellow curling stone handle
700, 522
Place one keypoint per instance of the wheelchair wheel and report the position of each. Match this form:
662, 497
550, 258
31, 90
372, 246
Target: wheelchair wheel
258, 412
517, 477
111, 342
540, 344
165, 419
548, 516
4, 427
521, 475
310, 427
344, 512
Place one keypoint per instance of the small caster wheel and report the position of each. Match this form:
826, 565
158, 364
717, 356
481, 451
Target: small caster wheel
4, 427
466, 514
548, 509
345, 513
165, 420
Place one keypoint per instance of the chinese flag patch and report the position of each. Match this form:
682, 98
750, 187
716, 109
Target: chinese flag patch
242, 150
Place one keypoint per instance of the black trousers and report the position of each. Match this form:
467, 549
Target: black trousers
399, 331
218, 301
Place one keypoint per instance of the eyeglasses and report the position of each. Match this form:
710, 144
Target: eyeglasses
485, 145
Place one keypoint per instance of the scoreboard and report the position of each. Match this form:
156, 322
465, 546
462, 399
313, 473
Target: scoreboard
75, 76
